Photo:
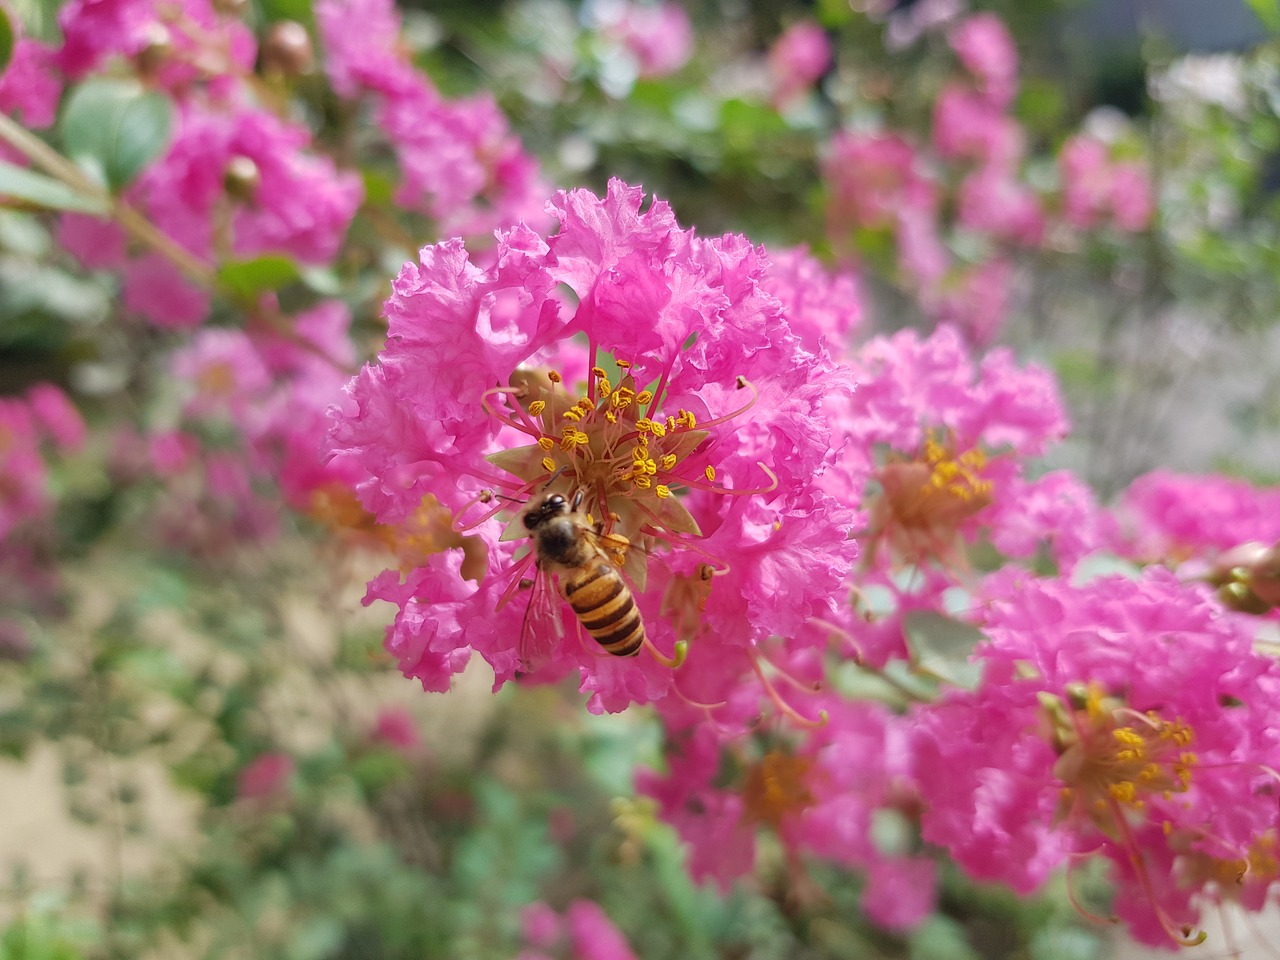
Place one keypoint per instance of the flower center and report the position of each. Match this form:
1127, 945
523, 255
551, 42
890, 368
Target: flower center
1112, 758
937, 489
777, 787
627, 459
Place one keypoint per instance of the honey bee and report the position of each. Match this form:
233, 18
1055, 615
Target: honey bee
585, 562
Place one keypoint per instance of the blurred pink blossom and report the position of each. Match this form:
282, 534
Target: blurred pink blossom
986, 49
797, 59
265, 777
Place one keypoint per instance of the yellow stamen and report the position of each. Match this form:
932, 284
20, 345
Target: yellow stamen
537, 407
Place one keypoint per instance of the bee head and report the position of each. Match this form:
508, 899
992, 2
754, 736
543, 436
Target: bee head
552, 505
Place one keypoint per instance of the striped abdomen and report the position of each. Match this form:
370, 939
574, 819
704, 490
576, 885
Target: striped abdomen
605, 607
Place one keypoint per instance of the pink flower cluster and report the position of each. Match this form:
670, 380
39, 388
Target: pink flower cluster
44, 419
1127, 719
584, 932
459, 162
882, 182
1099, 190
690, 381
656, 37
254, 409
236, 182
819, 795
797, 59
29, 85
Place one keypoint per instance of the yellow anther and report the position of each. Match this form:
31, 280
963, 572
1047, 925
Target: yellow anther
573, 413
644, 425
663, 491
554, 377
644, 396
671, 423
548, 465
598, 372
604, 386
623, 364
687, 420
710, 472
537, 407
639, 454
642, 481
658, 429
1124, 791
668, 461
611, 416
586, 404
650, 467
546, 443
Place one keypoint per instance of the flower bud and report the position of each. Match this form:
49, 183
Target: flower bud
287, 50
241, 179
231, 8
156, 49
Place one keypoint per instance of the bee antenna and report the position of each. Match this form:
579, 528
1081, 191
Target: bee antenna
554, 477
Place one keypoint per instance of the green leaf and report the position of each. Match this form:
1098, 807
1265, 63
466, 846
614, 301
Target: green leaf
114, 128
1268, 11
943, 646
7, 40
248, 278
19, 183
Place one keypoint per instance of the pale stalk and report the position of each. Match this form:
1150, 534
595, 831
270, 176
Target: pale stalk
135, 224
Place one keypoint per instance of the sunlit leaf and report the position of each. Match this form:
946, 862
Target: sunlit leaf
6, 40
21, 184
1268, 11
943, 646
248, 278
115, 128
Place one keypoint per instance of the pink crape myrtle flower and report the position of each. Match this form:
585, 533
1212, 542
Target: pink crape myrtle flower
868, 176
933, 446
820, 796
1128, 719
671, 395
1169, 517
966, 126
395, 727
284, 200
459, 161
926, 401
984, 46
1056, 515
1097, 189
30, 427
1218, 529
58, 416
977, 301
30, 85
176, 44
266, 777
584, 932
658, 37
994, 202
797, 59
823, 307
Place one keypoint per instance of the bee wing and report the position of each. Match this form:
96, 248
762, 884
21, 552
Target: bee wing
543, 627
630, 558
